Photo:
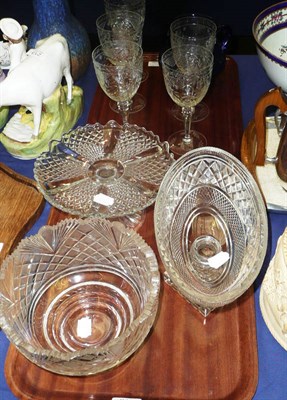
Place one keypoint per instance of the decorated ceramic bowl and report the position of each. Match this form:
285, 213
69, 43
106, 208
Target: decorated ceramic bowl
270, 32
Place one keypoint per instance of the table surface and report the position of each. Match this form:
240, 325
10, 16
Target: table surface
272, 358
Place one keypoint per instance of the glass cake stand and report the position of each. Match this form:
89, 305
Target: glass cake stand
108, 171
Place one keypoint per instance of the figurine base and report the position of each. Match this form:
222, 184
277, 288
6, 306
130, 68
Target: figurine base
57, 117
4, 112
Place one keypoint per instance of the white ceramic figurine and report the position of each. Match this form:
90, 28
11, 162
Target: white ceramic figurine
34, 75
14, 33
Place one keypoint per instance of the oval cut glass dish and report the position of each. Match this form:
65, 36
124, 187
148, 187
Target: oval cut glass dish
211, 227
79, 297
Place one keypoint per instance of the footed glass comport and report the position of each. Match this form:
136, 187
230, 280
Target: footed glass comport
109, 171
211, 228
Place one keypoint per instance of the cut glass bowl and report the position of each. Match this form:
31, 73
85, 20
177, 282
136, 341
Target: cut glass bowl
103, 170
79, 297
211, 227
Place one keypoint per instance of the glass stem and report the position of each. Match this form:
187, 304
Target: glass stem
124, 108
187, 115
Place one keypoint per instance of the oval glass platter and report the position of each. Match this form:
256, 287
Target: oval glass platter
108, 171
209, 208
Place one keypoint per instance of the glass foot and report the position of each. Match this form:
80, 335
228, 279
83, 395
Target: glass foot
137, 105
201, 111
145, 76
133, 221
204, 311
179, 147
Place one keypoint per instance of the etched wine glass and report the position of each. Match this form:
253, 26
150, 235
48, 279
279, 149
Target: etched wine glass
121, 25
189, 30
119, 70
118, 25
187, 75
137, 6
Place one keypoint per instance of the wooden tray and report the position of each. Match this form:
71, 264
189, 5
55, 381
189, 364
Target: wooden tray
16, 216
186, 356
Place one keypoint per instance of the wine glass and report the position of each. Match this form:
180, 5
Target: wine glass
121, 25
199, 30
118, 25
137, 6
187, 74
119, 68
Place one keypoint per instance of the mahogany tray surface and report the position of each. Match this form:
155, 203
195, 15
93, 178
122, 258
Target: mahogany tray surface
185, 357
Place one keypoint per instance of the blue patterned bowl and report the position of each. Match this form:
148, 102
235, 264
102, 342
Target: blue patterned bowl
270, 32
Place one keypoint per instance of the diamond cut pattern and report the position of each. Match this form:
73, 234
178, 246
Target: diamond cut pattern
210, 167
132, 191
56, 252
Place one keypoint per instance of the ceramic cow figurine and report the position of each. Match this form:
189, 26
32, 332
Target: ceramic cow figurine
34, 75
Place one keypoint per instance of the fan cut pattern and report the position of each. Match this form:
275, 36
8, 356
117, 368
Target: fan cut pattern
79, 297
